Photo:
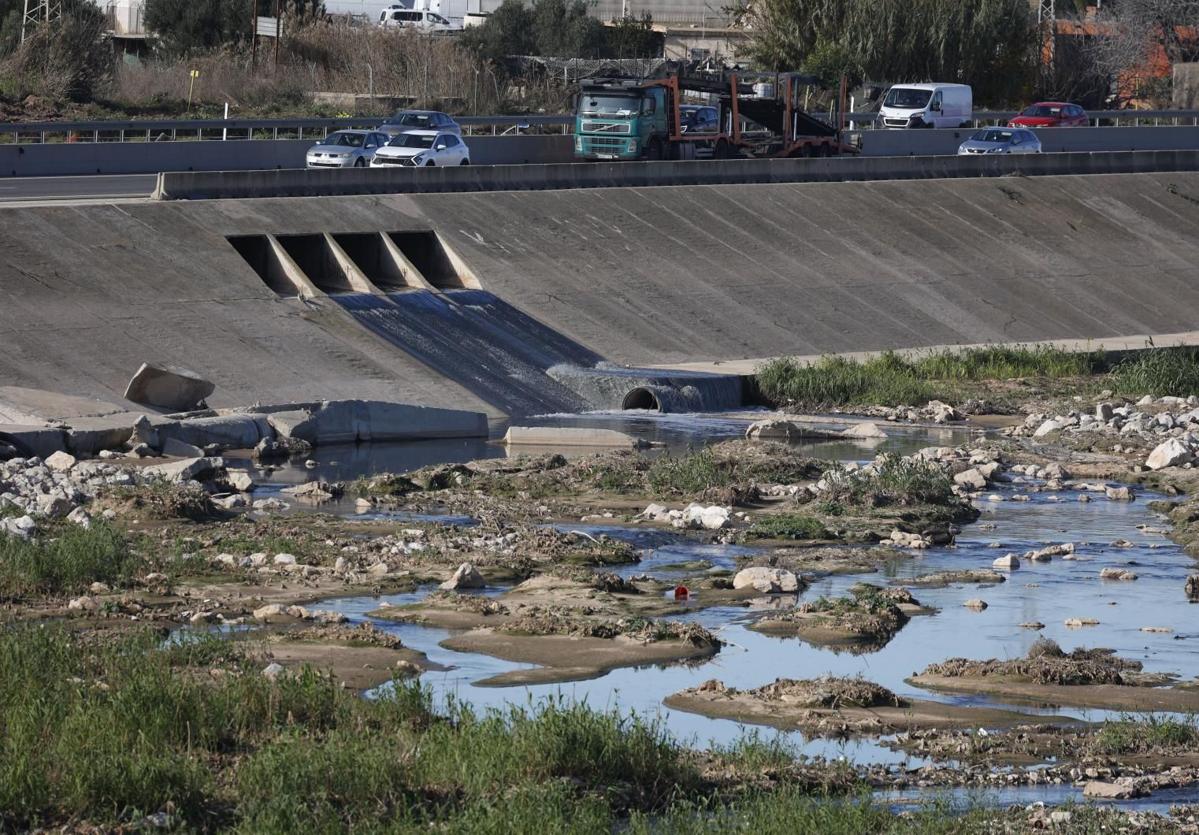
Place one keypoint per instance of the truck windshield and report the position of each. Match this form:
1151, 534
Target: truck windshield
606, 105
907, 98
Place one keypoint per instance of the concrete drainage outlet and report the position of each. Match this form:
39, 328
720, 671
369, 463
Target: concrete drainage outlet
641, 398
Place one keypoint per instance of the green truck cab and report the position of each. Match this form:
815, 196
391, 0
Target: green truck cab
622, 122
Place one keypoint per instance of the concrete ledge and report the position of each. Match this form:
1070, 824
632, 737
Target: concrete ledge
550, 436
303, 183
352, 421
34, 440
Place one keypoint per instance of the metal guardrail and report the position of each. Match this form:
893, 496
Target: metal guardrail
1098, 118
173, 130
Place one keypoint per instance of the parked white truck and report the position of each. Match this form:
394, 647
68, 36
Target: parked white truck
928, 106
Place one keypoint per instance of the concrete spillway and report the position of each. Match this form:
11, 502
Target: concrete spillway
636, 276
465, 348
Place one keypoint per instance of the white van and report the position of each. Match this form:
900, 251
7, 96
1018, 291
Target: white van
927, 106
423, 19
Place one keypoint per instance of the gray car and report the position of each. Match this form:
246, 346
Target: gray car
346, 149
1001, 141
403, 121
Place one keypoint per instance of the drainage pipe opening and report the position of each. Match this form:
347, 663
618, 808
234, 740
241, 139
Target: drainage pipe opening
641, 398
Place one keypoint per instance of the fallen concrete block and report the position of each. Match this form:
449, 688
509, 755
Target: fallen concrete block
568, 436
350, 421
292, 424
168, 387
186, 470
237, 431
89, 435
41, 441
181, 449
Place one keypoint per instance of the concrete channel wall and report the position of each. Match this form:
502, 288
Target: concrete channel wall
284, 183
213, 155
638, 276
899, 143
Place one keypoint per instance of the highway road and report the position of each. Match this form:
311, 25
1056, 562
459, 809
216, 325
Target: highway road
95, 187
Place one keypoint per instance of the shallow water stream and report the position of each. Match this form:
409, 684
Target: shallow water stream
1045, 592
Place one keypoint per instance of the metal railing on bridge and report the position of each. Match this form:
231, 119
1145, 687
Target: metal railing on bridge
1097, 118
176, 130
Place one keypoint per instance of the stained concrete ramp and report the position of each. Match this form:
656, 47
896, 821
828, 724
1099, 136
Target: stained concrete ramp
639, 276
675, 275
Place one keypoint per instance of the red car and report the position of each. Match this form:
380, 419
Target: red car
1051, 114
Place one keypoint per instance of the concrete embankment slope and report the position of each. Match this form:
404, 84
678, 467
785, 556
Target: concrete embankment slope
643, 276
89, 293
674, 275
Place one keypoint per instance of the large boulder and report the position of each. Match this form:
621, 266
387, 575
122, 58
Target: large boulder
868, 431
466, 577
767, 580
188, 469
1171, 453
168, 387
775, 429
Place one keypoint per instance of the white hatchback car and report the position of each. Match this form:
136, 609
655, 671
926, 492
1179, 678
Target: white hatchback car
423, 148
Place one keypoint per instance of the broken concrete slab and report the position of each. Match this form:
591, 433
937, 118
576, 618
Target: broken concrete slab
351, 421
186, 470
568, 436
89, 435
233, 431
181, 449
168, 387
41, 441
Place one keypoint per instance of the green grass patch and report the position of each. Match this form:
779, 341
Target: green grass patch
1129, 735
1160, 372
66, 559
788, 526
891, 481
891, 379
99, 733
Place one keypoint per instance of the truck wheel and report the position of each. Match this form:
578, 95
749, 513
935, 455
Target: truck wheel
723, 149
653, 151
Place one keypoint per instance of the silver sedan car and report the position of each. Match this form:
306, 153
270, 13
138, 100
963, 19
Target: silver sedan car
346, 149
1001, 141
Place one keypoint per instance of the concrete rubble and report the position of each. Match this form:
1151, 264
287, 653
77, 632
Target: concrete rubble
269, 430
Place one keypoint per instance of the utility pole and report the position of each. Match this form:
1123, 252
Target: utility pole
1047, 21
39, 11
